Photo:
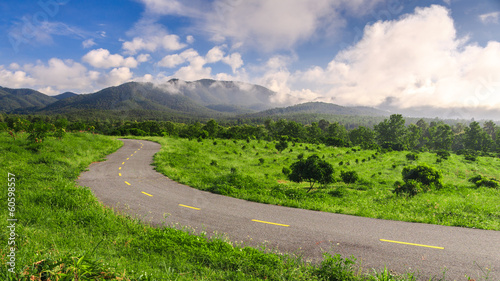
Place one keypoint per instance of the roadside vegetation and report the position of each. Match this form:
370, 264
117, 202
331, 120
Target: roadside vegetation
64, 233
423, 187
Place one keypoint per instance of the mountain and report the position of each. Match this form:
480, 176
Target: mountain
321, 108
218, 94
12, 99
65, 95
130, 96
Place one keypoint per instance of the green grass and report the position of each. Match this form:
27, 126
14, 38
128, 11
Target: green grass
207, 165
64, 233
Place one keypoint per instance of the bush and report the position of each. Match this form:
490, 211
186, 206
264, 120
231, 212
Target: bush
261, 161
480, 181
39, 131
443, 154
410, 188
470, 157
349, 176
286, 171
424, 174
411, 156
213, 163
421, 178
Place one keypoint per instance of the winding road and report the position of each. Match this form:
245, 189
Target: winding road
127, 182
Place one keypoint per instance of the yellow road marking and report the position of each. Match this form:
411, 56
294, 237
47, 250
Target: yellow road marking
120, 174
135, 151
123, 163
147, 194
120, 168
411, 244
285, 225
131, 154
127, 183
128, 158
186, 206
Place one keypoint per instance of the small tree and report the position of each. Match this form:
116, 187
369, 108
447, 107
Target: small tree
283, 144
312, 170
349, 176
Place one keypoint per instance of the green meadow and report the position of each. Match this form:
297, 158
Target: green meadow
252, 170
62, 232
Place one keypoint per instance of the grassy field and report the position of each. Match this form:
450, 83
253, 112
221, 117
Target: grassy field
63, 233
253, 171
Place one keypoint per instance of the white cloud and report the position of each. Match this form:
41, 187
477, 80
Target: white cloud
115, 77
234, 61
171, 61
101, 58
88, 43
143, 58
262, 24
59, 74
190, 39
15, 79
408, 62
490, 17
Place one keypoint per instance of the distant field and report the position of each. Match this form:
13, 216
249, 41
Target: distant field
253, 171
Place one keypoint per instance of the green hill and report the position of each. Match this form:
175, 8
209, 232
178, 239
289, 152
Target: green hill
15, 99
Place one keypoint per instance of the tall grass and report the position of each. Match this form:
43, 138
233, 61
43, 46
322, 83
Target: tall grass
64, 233
253, 171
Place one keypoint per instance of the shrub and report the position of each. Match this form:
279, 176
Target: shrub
38, 131
349, 176
261, 161
480, 181
470, 157
443, 154
423, 173
312, 170
410, 188
213, 163
411, 156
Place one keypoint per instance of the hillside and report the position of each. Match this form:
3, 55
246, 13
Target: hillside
321, 108
130, 96
209, 92
12, 99
65, 95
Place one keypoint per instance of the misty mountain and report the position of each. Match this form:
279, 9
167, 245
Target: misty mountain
65, 95
217, 94
130, 96
322, 108
12, 99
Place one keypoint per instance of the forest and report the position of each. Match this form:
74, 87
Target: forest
393, 133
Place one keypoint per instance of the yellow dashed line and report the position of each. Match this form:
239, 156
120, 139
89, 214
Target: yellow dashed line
127, 183
186, 206
285, 225
120, 168
411, 244
120, 174
131, 154
128, 158
123, 163
147, 194
135, 151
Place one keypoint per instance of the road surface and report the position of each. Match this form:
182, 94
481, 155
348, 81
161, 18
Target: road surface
128, 182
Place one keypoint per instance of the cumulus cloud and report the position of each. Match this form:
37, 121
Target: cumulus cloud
263, 24
102, 58
408, 62
88, 43
57, 76
150, 36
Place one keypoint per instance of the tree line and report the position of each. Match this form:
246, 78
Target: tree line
390, 134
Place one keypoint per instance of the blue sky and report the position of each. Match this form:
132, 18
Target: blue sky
403, 53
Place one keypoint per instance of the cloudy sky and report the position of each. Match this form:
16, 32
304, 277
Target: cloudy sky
404, 53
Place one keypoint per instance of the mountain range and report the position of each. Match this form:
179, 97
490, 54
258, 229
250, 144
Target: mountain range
203, 98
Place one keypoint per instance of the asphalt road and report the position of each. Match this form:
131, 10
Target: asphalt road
128, 182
